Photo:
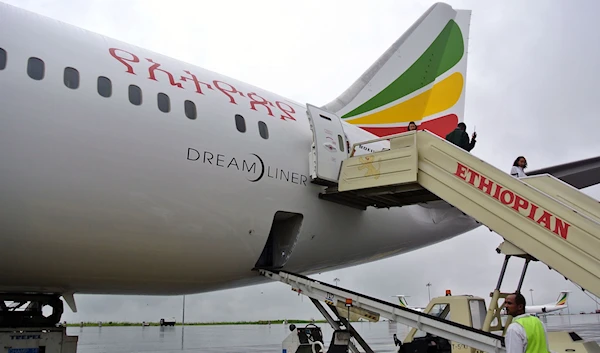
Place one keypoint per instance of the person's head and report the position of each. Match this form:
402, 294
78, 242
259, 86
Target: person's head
461, 126
520, 162
412, 126
515, 304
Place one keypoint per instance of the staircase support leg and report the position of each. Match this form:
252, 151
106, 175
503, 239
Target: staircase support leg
519, 286
494, 309
353, 332
334, 324
523, 275
491, 312
502, 272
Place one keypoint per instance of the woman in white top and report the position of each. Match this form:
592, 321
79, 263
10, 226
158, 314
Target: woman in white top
518, 168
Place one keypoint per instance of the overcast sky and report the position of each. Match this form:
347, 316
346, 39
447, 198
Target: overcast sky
531, 90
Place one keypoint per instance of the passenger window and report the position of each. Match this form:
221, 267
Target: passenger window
190, 110
164, 103
240, 123
341, 143
263, 130
2, 59
104, 86
71, 78
135, 95
35, 68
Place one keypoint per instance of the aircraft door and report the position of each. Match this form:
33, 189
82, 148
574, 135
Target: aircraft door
329, 147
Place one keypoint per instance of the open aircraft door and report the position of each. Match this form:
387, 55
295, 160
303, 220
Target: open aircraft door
328, 149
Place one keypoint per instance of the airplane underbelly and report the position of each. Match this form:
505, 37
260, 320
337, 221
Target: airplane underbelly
364, 236
65, 256
87, 235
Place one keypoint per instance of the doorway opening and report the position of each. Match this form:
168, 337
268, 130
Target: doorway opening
281, 241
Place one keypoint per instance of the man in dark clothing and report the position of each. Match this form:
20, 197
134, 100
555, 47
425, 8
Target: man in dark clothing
460, 137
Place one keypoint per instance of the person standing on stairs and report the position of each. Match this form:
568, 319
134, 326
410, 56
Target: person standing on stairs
518, 168
460, 137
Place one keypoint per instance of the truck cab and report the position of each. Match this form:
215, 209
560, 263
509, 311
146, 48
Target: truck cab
471, 311
467, 310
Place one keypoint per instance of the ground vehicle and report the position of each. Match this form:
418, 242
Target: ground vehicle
472, 311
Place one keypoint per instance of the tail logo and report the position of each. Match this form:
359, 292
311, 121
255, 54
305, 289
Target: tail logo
407, 99
562, 300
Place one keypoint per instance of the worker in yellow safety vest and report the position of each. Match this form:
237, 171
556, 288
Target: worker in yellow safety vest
526, 333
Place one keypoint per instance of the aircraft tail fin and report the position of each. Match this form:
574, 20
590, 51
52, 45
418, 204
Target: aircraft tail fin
420, 78
562, 298
402, 300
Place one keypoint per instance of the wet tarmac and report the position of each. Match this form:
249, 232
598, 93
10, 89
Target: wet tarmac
265, 338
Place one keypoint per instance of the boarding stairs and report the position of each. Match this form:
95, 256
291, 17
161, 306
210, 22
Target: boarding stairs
541, 215
338, 299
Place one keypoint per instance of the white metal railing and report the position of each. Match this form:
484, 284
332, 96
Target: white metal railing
406, 133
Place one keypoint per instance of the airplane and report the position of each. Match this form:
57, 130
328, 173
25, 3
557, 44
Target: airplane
125, 171
404, 303
560, 304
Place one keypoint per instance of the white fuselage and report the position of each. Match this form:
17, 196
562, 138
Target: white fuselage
100, 196
543, 309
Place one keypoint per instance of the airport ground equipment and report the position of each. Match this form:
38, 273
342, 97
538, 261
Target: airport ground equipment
167, 322
37, 340
451, 324
471, 311
25, 310
309, 339
369, 307
540, 216
25, 328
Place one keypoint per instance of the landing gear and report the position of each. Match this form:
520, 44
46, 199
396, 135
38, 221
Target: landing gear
25, 310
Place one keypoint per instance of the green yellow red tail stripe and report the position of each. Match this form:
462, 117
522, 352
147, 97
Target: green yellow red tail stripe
421, 78
562, 300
